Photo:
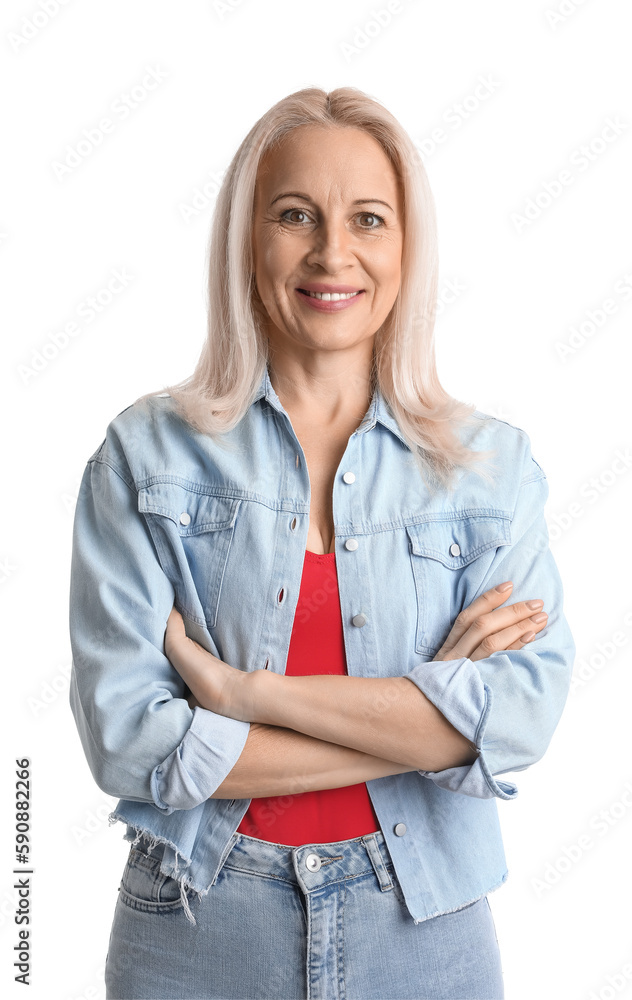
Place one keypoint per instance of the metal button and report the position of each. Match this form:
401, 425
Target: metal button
351, 544
312, 861
455, 549
400, 829
359, 620
185, 518
349, 477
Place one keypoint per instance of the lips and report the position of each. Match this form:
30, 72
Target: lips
329, 296
321, 286
341, 300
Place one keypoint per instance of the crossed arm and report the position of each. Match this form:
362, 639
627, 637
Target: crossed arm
328, 731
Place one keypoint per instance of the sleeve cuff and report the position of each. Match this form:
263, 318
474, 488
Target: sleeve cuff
196, 768
459, 692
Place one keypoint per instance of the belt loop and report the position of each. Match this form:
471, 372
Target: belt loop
373, 850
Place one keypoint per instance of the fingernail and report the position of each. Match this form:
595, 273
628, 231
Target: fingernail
502, 588
527, 637
534, 605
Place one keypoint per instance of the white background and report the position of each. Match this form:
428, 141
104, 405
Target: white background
563, 923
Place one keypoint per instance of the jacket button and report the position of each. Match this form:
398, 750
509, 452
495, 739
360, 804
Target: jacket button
312, 861
359, 620
185, 518
349, 477
400, 829
455, 549
351, 544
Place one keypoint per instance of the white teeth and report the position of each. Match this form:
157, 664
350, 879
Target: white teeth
332, 296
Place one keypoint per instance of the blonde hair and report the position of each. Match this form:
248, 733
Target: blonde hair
235, 353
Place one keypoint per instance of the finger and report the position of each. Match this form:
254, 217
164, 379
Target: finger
483, 604
528, 637
511, 637
174, 631
479, 625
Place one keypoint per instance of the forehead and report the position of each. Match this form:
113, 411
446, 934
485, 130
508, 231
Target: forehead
348, 161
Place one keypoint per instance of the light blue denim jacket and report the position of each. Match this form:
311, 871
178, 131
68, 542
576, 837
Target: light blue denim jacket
165, 513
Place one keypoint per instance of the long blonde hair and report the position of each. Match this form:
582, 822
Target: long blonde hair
235, 353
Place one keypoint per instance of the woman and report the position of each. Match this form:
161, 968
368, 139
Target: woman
293, 657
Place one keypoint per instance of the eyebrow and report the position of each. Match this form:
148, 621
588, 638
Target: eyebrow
305, 197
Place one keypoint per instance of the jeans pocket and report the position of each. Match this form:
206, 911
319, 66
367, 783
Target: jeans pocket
145, 887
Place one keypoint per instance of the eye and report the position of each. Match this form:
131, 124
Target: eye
293, 211
371, 215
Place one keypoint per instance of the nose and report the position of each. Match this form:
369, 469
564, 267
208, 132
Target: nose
331, 247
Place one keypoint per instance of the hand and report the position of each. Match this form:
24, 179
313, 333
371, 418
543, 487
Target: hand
214, 685
484, 628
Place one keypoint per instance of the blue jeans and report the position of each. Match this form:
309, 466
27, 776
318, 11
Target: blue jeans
316, 922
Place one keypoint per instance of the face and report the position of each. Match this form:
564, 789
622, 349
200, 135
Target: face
328, 220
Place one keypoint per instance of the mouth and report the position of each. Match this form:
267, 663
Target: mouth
329, 302
330, 296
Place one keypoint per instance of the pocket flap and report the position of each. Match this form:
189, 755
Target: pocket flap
192, 511
456, 541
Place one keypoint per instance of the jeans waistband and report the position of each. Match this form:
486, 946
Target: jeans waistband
311, 866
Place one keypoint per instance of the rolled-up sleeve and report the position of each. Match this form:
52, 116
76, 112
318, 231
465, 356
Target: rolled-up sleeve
141, 739
508, 704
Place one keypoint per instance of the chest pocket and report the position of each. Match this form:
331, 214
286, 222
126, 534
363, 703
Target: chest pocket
450, 558
192, 532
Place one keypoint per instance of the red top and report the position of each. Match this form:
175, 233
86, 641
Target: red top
316, 647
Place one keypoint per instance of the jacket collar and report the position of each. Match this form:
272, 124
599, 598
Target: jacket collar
378, 411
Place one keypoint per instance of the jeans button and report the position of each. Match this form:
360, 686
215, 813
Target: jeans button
312, 861
400, 830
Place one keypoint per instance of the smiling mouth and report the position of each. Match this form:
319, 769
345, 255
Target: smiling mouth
330, 296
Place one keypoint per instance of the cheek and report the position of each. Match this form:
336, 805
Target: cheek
390, 277
386, 265
277, 256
